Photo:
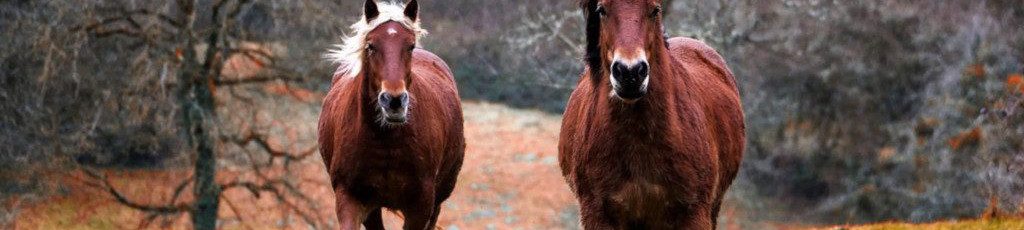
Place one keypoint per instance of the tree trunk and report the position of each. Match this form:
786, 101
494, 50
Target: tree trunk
196, 101
207, 191
204, 214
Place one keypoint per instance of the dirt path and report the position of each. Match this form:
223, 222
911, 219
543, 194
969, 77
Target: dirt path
510, 178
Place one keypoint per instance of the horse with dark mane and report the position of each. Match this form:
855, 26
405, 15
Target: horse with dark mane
391, 127
653, 134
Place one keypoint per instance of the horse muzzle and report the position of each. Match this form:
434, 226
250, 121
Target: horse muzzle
394, 108
629, 82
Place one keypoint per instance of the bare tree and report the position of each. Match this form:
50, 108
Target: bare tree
176, 36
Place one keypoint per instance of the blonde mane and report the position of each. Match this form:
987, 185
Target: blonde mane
349, 54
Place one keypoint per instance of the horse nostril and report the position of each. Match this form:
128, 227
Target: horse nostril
642, 69
393, 103
384, 99
630, 74
404, 97
618, 69
399, 102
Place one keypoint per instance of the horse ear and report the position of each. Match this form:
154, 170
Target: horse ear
412, 9
370, 10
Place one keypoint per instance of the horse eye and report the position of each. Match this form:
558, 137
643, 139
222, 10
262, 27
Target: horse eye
656, 11
600, 11
370, 48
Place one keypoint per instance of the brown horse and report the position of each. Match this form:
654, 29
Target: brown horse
391, 126
653, 134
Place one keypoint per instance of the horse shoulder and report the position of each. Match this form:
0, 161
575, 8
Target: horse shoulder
715, 83
720, 98
434, 79
695, 54
438, 65
332, 116
574, 113
573, 119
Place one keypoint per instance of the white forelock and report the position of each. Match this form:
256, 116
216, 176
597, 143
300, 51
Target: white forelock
349, 54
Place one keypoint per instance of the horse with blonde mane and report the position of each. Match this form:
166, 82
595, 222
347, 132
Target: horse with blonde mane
390, 132
653, 134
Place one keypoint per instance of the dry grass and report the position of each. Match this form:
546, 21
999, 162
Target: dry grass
979, 224
86, 207
510, 179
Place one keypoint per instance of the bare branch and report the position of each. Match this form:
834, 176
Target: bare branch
238, 8
107, 32
253, 54
253, 188
162, 17
97, 24
120, 198
234, 209
129, 17
272, 187
260, 78
181, 188
261, 141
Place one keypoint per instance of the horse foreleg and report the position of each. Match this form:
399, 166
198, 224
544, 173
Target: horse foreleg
433, 217
595, 223
351, 213
594, 217
419, 215
375, 221
714, 214
418, 218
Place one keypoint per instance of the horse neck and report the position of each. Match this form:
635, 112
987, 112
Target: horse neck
671, 78
361, 101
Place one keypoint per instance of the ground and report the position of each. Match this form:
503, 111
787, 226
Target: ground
509, 180
1005, 223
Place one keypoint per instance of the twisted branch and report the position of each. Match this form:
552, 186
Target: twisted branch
120, 198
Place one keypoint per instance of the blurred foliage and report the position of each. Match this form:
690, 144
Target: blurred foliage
868, 111
523, 53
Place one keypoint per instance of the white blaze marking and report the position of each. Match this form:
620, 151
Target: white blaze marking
392, 31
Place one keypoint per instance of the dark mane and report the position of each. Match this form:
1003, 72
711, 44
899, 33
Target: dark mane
592, 52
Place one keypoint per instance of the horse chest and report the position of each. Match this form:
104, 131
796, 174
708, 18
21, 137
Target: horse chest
389, 175
636, 152
392, 162
638, 172
649, 170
